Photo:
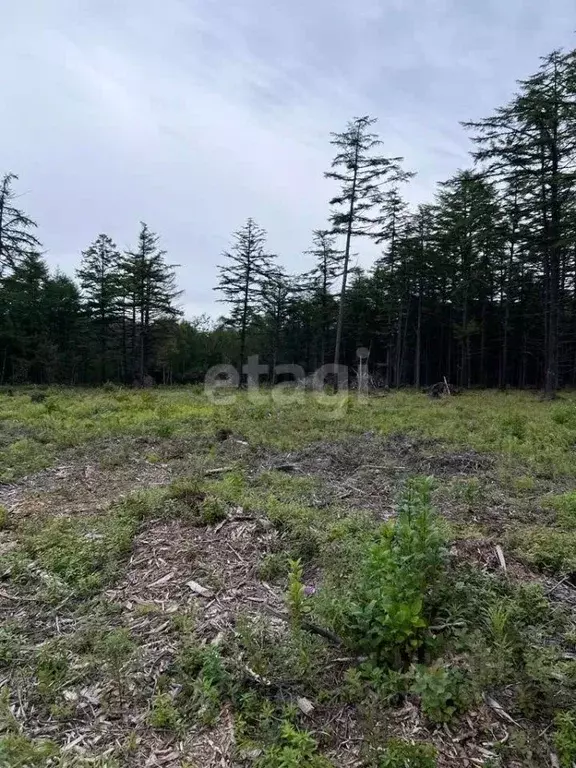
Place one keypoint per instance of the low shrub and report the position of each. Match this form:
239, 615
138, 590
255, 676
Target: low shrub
405, 754
296, 749
392, 601
565, 738
205, 683
565, 506
546, 548
17, 751
443, 692
163, 714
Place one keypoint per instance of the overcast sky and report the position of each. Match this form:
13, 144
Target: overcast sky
195, 114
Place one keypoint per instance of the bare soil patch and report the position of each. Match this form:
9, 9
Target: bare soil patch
211, 576
77, 488
365, 471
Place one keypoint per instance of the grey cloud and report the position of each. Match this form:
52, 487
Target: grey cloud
194, 114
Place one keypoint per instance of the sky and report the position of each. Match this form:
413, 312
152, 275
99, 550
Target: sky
192, 115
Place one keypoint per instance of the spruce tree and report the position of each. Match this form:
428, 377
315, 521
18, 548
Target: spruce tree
65, 325
425, 253
471, 240
27, 350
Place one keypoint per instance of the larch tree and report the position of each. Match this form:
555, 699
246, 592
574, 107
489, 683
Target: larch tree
247, 267
361, 173
468, 216
150, 287
99, 277
534, 138
392, 231
17, 236
279, 290
321, 278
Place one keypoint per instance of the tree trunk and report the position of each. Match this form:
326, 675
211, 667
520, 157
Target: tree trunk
133, 340
483, 347
243, 328
398, 351
551, 380
418, 353
124, 376
464, 346
346, 264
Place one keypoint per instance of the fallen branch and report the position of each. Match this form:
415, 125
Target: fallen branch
499, 710
559, 584
286, 468
308, 626
218, 470
325, 633
6, 596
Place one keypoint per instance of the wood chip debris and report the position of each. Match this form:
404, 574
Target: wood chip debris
163, 580
199, 589
501, 558
305, 705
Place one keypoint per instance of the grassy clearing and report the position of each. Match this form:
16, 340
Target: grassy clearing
348, 603
517, 426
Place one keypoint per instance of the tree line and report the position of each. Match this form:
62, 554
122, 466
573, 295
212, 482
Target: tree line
109, 325
478, 285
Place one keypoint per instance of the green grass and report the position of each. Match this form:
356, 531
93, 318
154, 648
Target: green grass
539, 435
545, 548
565, 506
418, 624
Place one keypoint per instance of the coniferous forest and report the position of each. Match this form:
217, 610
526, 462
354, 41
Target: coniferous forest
477, 285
